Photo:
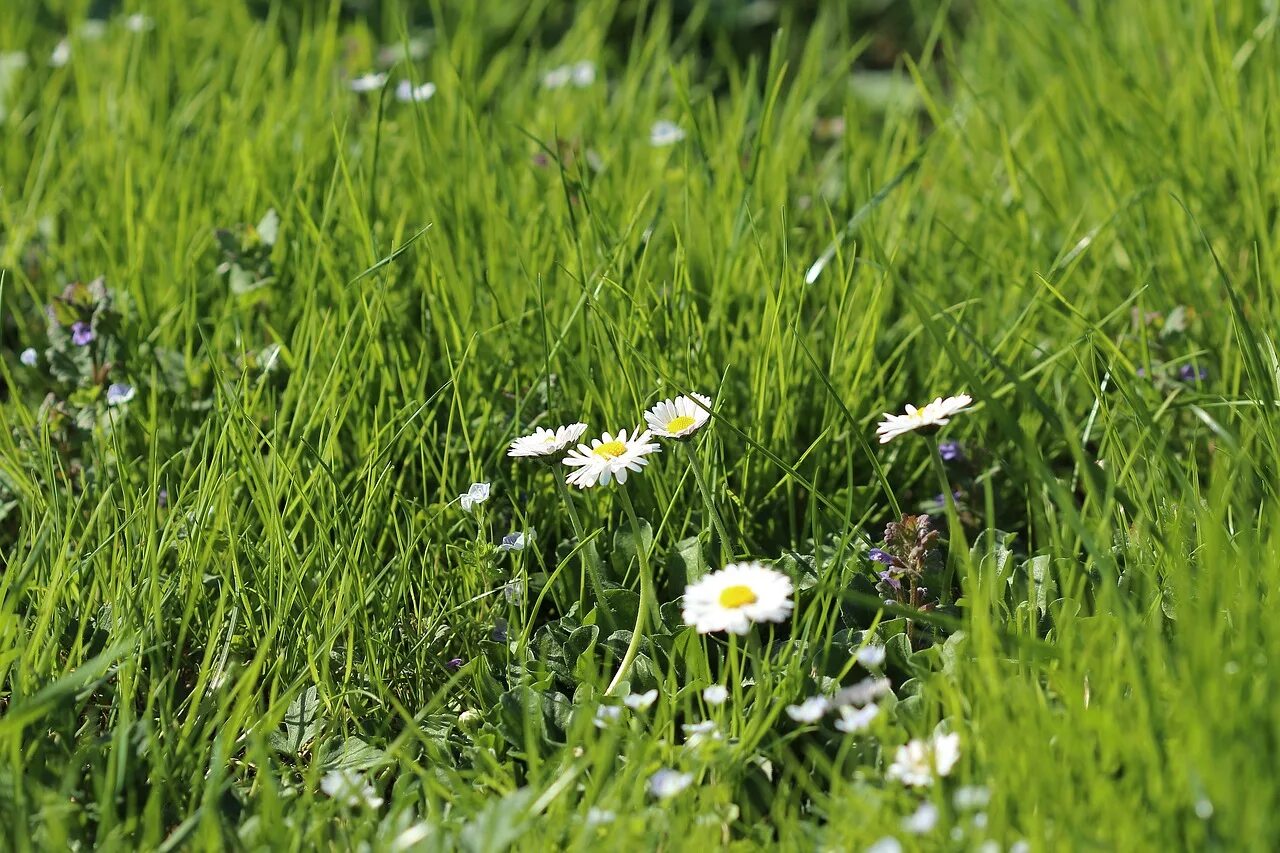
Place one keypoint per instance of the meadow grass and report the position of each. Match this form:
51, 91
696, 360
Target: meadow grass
256, 572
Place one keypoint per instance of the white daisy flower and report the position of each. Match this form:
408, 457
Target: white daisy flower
370, 82
918, 762
407, 93
640, 701
664, 133
934, 414
476, 495
679, 418
854, 720
61, 54
871, 656
716, 694
349, 788
606, 714
29, 357
810, 710
608, 458
667, 783
546, 442
736, 596
922, 821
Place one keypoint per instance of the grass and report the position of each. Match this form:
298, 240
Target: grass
1007, 205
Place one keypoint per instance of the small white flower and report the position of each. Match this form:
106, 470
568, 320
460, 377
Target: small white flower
854, 720
476, 495
667, 783
696, 734
61, 54
370, 82
119, 393
546, 442
557, 78
664, 133
918, 762
922, 821
138, 23
934, 414
29, 357
888, 844
606, 714
513, 542
866, 690
679, 418
599, 817
640, 701
971, 797
349, 787
584, 73
716, 694
810, 710
609, 458
407, 93
735, 597
871, 656
93, 29
580, 74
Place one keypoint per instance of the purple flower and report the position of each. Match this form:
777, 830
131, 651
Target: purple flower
454, 665
893, 582
1189, 373
119, 393
82, 333
162, 498
951, 451
881, 556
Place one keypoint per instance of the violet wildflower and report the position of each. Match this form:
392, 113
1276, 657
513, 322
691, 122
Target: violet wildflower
454, 665
82, 333
119, 393
1190, 373
951, 451
879, 555
162, 498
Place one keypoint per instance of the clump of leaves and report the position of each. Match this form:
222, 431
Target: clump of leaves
246, 254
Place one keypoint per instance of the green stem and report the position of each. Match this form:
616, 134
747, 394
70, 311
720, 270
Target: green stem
956, 531
708, 502
646, 592
590, 557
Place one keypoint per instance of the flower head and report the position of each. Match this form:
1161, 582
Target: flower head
82, 333
917, 763
138, 23
923, 820
853, 720
880, 555
407, 93
580, 74
609, 458
736, 596
864, 692
679, 418
640, 701
667, 783
871, 656
696, 734
664, 133
546, 442
453, 664
476, 495
934, 414
951, 451
606, 714
1189, 373
716, 694
367, 82
513, 542
349, 788
29, 357
61, 54
810, 710
119, 393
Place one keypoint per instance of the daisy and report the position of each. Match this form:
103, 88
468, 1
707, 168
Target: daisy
716, 694
679, 418
367, 83
546, 442
476, 495
640, 701
854, 720
664, 133
609, 457
809, 711
406, 92
667, 783
737, 595
349, 787
918, 762
934, 414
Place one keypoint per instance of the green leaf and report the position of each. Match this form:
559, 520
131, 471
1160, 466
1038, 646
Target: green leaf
685, 564
301, 722
352, 754
624, 546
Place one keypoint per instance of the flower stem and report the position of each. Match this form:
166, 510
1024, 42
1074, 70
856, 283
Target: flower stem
956, 530
708, 502
590, 556
646, 592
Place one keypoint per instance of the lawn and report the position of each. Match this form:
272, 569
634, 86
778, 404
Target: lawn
283, 285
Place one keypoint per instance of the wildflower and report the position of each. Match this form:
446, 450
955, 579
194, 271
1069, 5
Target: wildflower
476, 495
349, 787
971, 797
716, 694
61, 54
513, 592
679, 418
29, 357
367, 82
640, 701
408, 93
162, 498
667, 783
664, 133
879, 555
513, 542
854, 720
546, 442
1189, 373
864, 692
696, 734
736, 596
918, 762
608, 458
888, 844
581, 74
118, 394
599, 817
890, 579
454, 664
951, 451
922, 821
810, 710
82, 333
138, 23
934, 414
606, 714
871, 656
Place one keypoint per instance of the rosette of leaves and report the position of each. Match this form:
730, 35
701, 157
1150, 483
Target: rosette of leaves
246, 254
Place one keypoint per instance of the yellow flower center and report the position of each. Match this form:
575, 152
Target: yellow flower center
610, 449
677, 424
739, 595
